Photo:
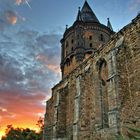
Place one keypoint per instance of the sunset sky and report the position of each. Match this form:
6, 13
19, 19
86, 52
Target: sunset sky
30, 31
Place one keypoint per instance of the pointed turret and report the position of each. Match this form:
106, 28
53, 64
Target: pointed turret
79, 18
87, 14
109, 24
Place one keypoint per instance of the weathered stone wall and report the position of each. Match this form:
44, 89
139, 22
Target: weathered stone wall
129, 71
49, 120
101, 96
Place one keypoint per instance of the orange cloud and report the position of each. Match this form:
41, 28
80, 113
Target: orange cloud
18, 2
11, 17
18, 106
54, 68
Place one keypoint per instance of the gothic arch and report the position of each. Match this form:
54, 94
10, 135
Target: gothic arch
68, 62
102, 69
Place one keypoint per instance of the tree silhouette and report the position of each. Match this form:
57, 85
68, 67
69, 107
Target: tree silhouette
23, 134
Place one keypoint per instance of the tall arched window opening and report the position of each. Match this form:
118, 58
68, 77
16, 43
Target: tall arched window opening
103, 76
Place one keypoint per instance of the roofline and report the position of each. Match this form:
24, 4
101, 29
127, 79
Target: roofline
95, 24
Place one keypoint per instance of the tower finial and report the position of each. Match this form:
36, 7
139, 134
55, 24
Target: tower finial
109, 24
79, 18
79, 8
66, 27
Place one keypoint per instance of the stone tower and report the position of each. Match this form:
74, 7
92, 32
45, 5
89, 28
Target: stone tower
82, 39
98, 96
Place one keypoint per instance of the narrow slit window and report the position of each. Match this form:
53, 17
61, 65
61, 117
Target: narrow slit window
90, 37
90, 44
72, 49
72, 41
67, 44
102, 37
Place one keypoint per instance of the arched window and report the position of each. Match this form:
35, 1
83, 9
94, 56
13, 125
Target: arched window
103, 92
68, 62
90, 37
72, 41
66, 52
72, 49
90, 45
101, 38
67, 44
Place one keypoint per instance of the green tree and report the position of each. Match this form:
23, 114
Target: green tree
40, 124
21, 134
13, 133
24, 134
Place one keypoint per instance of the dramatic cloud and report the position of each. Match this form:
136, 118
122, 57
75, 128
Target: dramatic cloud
27, 60
29, 67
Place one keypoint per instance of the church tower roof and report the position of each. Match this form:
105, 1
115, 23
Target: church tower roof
87, 14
